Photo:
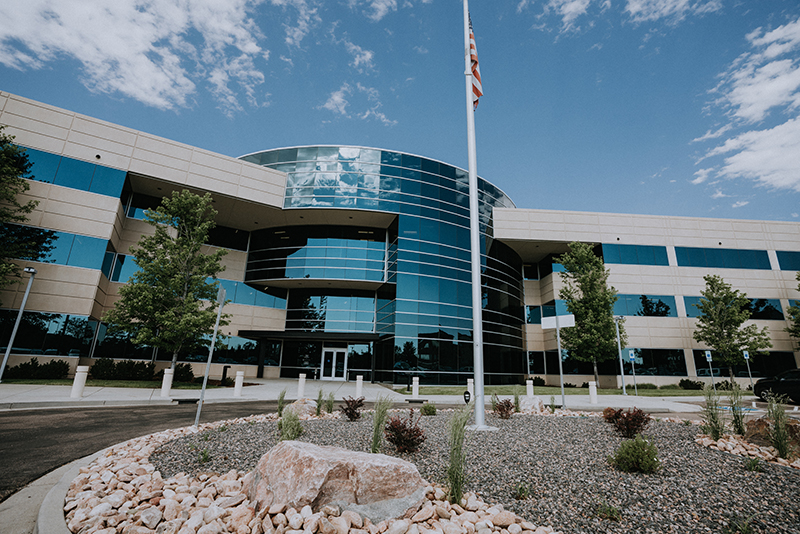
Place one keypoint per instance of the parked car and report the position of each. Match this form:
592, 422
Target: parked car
786, 383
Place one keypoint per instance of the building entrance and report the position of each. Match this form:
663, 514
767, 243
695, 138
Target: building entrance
334, 364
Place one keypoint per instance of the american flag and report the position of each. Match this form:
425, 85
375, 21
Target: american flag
477, 90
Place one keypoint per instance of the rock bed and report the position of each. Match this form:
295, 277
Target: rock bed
562, 463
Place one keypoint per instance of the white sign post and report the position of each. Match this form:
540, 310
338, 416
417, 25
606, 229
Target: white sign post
747, 361
710, 370
632, 356
559, 322
220, 303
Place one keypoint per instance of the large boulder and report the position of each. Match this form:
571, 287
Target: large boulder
304, 408
531, 404
297, 474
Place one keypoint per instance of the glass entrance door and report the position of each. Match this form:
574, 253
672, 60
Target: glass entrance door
334, 364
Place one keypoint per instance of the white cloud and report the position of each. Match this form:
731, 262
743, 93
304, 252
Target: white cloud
740, 203
719, 194
702, 175
676, 10
155, 51
770, 157
377, 8
568, 10
362, 59
760, 84
337, 102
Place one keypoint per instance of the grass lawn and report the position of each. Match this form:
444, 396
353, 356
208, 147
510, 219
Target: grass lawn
144, 384
546, 391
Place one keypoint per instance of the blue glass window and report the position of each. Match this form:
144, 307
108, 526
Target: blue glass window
645, 305
634, 254
533, 314
722, 258
763, 309
45, 165
789, 260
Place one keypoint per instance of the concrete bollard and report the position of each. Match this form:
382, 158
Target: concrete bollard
529, 388
359, 385
301, 385
754, 404
166, 382
415, 387
471, 387
80, 381
593, 392
237, 386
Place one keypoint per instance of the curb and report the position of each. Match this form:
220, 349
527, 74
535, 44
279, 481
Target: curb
80, 404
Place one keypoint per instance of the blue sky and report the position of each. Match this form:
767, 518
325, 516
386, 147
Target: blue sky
667, 107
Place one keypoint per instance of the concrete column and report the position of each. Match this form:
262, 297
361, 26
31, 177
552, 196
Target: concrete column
80, 381
359, 385
471, 387
529, 388
415, 387
593, 392
301, 385
166, 382
237, 386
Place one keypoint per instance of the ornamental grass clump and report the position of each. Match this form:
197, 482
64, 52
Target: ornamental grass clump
636, 456
737, 412
713, 424
382, 405
319, 403
516, 399
289, 427
352, 408
329, 402
778, 431
281, 402
457, 432
405, 433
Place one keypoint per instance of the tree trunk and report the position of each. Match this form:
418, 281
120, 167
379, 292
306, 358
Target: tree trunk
174, 360
596, 376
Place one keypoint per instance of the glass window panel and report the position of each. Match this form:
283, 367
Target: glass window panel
87, 252
628, 254
645, 254
691, 309
108, 262
45, 165
124, 268
534, 315
107, 181
789, 260
660, 256
75, 174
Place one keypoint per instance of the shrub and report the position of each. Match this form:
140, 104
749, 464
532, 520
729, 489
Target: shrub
569, 385
134, 370
713, 424
585, 385
457, 431
281, 402
725, 385
428, 409
382, 405
522, 491
647, 386
103, 369
504, 409
405, 434
204, 456
494, 401
636, 456
552, 405
352, 408
608, 511
611, 414
737, 413
753, 464
669, 386
778, 431
329, 402
183, 373
685, 383
53, 369
631, 423
538, 381
289, 427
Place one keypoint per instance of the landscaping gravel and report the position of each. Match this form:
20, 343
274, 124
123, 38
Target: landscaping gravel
562, 461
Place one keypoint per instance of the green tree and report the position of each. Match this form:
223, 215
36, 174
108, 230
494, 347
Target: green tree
591, 300
723, 312
19, 242
170, 302
794, 315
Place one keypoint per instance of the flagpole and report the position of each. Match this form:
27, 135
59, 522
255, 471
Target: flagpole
475, 243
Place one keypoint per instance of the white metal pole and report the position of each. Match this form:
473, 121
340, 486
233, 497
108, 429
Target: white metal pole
474, 228
220, 303
747, 361
619, 347
32, 272
560, 365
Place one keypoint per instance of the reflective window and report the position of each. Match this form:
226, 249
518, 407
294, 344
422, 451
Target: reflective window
646, 305
789, 261
762, 364
533, 314
60, 248
48, 334
634, 254
76, 174
722, 258
330, 311
759, 308
654, 362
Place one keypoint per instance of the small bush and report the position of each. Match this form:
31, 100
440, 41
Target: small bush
289, 427
183, 373
611, 414
608, 511
647, 386
669, 386
522, 491
569, 385
636, 456
204, 457
538, 381
585, 385
428, 409
405, 434
713, 424
134, 370
352, 408
753, 464
685, 383
504, 409
737, 412
778, 430
103, 369
552, 405
631, 423
53, 369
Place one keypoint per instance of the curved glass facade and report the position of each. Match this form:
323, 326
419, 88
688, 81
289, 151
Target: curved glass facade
422, 313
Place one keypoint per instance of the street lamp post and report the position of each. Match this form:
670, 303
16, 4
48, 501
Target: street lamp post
617, 319
31, 271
